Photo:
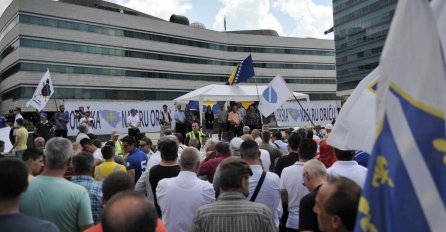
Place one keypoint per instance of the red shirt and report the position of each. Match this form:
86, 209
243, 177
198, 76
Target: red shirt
208, 168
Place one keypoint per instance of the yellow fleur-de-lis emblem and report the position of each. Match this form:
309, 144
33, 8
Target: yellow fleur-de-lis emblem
381, 173
440, 145
365, 223
111, 117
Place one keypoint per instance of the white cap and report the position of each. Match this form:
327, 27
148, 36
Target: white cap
328, 127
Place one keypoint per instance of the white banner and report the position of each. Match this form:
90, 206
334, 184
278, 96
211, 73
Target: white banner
320, 112
43, 92
110, 116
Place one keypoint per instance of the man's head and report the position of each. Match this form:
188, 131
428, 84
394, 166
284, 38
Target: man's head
97, 143
108, 152
222, 148
235, 146
246, 130
13, 179
234, 175
39, 143
87, 114
194, 143
145, 144
167, 131
34, 159
19, 122
344, 155
294, 142
165, 108
190, 159
83, 164
129, 211
114, 183
62, 108
266, 137
163, 140
234, 108
288, 133
114, 136
179, 107
195, 127
302, 132
276, 135
58, 153
128, 143
43, 116
169, 151
87, 145
255, 133
249, 151
83, 128
328, 128
18, 110
307, 149
336, 204
133, 112
314, 174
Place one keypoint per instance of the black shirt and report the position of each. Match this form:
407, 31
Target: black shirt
44, 130
307, 218
286, 161
158, 173
21, 222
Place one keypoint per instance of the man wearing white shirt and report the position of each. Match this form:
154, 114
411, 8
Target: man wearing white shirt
83, 133
88, 146
292, 189
87, 120
345, 166
133, 123
277, 141
179, 197
269, 191
264, 154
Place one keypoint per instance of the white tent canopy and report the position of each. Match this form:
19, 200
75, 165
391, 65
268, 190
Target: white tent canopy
228, 93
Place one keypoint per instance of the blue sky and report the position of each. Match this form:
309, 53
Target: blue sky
297, 18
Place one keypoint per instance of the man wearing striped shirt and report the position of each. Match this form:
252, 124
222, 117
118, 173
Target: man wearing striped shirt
232, 211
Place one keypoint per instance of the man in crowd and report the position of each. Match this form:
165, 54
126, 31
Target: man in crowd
133, 123
232, 211
165, 120
83, 133
345, 166
291, 183
235, 121
292, 157
34, 159
44, 128
315, 175
222, 117
180, 121
273, 151
61, 119
277, 141
209, 166
145, 144
83, 164
14, 182
21, 138
65, 203
17, 113
89, 122
108, 166
114, 137
136, 161
39, 143
129, 212
166, 169
256, 136
246, 130
263, 186
178, 212
337, 204
189, 118
88, 146
328, 129
195, 134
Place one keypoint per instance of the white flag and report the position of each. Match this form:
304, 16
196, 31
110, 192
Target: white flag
356, 124
43, 92
274, 96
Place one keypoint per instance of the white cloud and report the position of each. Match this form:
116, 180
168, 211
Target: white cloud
161, 9
246, 15
310, 19
3, 5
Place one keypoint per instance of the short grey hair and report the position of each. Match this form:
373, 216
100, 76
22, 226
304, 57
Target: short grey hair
315, 168
246, 129
234, 146
190, 157
39, 139
58, 152
83, 128
193, 142
210, 143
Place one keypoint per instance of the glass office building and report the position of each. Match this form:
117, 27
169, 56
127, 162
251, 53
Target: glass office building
361, 28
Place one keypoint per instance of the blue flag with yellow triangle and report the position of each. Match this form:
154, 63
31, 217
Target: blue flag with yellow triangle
111, 117
405, 189
242, 72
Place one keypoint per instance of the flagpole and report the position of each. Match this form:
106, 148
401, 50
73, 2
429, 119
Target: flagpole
306, 114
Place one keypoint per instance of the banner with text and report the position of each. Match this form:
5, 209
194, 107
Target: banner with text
110, 116
320, 112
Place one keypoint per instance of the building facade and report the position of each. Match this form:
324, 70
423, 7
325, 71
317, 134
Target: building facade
361, 28
101, 51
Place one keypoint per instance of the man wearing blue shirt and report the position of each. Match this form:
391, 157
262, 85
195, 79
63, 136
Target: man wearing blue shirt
61, 119
136, 160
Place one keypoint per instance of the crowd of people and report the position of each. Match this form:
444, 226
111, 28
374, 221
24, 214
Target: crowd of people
247, 179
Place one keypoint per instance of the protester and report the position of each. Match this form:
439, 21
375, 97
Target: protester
14, 182
314, 175
195, 134
43, 128
39, 143
209, 165
83, 164
34, 159
145, 144
133, 123
326, 154
276, 138
89, 122
88, 146
273, 151
235, 121
232, 211
256, 136
108, 166
222, 116
61, 119
252, 118
180, 121
292, 157
165, 120
114, 137
65, 204
181, 146
337, 204
209, 120
345, 166
136, 160
178, 212
83, 133
21, 138
118, 159
245, 130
